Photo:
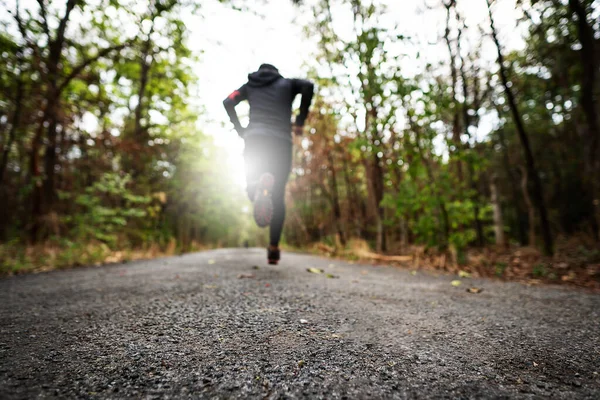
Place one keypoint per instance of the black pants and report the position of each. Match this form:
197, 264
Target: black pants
265, 154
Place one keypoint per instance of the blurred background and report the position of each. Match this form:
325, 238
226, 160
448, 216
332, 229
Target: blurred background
463, 134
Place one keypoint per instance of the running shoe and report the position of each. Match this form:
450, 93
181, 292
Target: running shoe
263, 205
273, 255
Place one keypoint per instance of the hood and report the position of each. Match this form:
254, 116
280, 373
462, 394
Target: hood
265, 75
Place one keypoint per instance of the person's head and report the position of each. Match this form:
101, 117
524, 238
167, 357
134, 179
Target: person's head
268, 66
266, 74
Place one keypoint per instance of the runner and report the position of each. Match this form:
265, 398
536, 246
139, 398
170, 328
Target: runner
268, 143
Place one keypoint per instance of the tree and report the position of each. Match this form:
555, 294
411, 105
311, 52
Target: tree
45, 35
530, 162
589, 85
368, 74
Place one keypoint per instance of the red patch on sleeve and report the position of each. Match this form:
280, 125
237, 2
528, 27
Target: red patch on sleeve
233, 95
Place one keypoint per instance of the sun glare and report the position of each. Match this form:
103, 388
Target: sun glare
234, 148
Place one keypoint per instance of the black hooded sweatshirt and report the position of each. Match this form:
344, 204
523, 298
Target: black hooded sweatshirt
270, 96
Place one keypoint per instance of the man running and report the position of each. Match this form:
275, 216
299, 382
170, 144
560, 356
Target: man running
268, 143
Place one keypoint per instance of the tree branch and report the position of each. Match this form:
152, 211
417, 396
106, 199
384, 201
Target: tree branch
60, 32
17, 17
44, 17
87, 62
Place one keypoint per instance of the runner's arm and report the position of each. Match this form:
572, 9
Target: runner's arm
305, 89
230, 102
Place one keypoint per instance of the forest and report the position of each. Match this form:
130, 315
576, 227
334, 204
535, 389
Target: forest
460, 149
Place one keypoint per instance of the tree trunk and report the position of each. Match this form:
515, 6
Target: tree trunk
13, 130
377, 182
498, 220
396, 170
5, 214
49, 184
538, 193
35, 177
454, 76
52, 107
353, 202
589, 63
144, 72
337, 213
530, 208
467, 146
374, 177
476, 208
513, 186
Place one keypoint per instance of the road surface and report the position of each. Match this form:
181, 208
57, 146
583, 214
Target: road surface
210, 325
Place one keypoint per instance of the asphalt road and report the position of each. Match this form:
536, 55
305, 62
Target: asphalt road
209, 325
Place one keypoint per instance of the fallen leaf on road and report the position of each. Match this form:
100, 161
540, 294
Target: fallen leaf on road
535, 364
474, 290
211, 261
413, 272
464, 274
315, 270
303, 321
331, 276
569, 277
456, 283
300, 363
248, 276
256, 267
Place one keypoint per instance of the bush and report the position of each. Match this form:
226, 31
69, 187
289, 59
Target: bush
105, 209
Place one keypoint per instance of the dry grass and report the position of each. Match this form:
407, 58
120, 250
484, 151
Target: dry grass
49, 256
575, 262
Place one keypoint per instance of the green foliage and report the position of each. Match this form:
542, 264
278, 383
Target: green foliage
539, 271
58, 252
145, 176
73, 253
13, 258
461, 215
500, 268
106, 208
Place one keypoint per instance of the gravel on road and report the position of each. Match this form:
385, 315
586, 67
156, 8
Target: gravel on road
213, 325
